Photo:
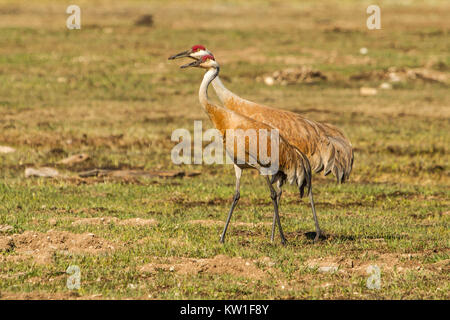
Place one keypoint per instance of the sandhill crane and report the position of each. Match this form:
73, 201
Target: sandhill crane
325, 145
293, 166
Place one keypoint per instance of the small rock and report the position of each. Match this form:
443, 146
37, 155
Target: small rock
269, 81
363, 50
131, 286
365, 91
393, 77
41, 172
385, 86
6, 149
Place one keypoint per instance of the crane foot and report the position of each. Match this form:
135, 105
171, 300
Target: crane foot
318, 234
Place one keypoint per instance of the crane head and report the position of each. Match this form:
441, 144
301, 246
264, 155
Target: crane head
207, 61
196, 52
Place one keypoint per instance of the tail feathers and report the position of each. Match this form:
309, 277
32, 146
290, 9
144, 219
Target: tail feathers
339, 159
328, 159
315, 160
303, 173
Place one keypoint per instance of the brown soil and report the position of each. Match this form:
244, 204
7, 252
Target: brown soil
41, 246
387, 262
302, 74
47, 296
220, 264
403, 74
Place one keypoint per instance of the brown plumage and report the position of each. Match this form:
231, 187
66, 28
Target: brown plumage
325, 146
293, 165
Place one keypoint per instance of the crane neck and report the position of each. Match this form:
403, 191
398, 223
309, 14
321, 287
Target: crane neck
220, 89
207, 78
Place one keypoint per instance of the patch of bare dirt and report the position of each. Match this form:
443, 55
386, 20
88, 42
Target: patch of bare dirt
443, 265
114, 220
302, 74
394, 74
387, 262
47, 296
42, 246
220, 264
131, 173
38, 296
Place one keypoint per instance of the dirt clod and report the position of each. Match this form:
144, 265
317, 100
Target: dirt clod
4, 228
6, 244
145, 20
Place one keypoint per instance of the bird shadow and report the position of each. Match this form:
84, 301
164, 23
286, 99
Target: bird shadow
312, 236
332, 237
299, 235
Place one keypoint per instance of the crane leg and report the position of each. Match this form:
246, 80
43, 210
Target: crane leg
237, 195
279, 193
273, 195
313, 207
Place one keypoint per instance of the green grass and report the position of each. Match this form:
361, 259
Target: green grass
109, 91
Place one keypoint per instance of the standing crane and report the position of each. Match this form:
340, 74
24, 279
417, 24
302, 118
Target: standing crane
325, 146
292, 164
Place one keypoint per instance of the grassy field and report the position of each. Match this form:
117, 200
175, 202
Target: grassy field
107, 90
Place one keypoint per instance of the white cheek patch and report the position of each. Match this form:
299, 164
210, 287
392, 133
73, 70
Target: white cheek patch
200, 54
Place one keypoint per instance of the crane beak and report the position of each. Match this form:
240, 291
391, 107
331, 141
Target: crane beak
196, 63
181, 55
